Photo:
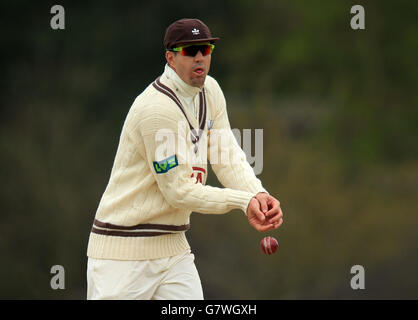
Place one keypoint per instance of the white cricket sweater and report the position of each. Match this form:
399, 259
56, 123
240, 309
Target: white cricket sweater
156, 181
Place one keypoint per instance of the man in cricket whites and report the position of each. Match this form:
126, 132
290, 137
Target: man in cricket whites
137, 247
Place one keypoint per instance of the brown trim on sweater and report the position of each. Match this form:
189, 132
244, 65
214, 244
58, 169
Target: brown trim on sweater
144, 226
170, 93
127, 234
202, 117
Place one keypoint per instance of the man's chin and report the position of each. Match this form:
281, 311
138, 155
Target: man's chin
198, 81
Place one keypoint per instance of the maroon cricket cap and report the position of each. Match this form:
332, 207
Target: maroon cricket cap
185, 31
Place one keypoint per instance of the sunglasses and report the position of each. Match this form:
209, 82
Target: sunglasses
192, 49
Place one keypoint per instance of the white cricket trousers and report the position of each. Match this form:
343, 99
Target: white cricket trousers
172, 278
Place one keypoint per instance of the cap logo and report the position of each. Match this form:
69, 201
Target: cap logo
195, 32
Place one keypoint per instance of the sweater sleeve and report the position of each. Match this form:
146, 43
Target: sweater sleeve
227, 159
159, 128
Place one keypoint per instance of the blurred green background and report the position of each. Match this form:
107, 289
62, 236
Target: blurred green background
339, 109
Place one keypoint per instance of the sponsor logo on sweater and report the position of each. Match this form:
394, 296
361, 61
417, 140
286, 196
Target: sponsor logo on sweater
166, 164
199, 172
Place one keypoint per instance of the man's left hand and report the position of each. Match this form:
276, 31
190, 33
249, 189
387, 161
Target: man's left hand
270, 206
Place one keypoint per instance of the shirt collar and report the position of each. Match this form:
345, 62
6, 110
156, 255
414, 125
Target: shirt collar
181, 87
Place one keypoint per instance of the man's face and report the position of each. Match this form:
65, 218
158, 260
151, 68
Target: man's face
192, 70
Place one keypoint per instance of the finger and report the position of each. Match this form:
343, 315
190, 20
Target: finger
260, 215
263, 228
275, 218
263, 204
256, 209
253, 210
275, 206
273, 211
276, 225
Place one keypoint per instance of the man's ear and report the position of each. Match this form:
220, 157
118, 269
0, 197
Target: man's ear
170, 56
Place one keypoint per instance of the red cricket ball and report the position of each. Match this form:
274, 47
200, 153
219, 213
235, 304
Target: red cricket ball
269, 245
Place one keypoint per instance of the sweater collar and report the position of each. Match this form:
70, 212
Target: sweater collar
181, 87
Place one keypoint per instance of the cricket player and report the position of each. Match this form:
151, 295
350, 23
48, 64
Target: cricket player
137, 247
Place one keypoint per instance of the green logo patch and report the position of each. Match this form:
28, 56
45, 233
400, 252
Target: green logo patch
166, 164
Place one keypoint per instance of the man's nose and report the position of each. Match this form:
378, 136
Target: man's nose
198, 56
